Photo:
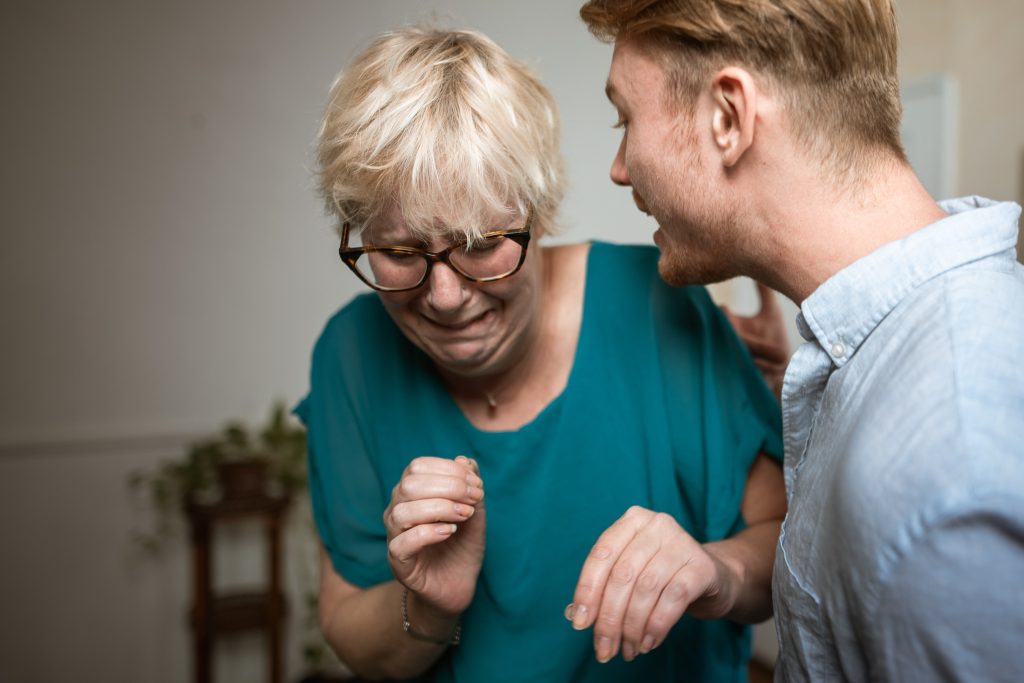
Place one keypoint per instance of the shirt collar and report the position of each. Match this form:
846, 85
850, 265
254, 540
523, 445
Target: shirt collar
847, 307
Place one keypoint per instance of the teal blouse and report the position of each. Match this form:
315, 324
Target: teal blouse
664, 408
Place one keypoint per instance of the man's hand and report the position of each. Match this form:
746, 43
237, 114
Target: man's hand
643, 573
435, 498
764, 333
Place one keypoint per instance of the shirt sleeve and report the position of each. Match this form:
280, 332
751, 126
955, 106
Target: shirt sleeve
952, 608
345, 490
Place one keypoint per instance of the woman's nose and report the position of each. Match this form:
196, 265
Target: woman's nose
446, 289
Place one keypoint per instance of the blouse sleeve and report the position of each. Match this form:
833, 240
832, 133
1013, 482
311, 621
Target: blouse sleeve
737, 416
345, 489
740, 401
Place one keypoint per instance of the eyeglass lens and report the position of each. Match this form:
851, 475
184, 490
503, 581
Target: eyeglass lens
488, 258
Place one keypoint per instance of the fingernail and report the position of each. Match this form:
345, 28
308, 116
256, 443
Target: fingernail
570, 609
604, 650
647, 645
579, 617
474, 480
475, 492
628, 653
446, 529
463, 511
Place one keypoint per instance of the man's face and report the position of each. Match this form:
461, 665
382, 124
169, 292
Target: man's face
666, 156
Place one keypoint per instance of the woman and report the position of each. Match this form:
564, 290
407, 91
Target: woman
568, 382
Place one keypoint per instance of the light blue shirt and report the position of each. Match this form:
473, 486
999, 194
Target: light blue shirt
902, 555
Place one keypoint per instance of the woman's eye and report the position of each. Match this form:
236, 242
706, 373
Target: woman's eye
400, 256
486, 244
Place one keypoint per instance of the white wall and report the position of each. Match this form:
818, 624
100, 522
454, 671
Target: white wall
166, 262
165, 266
978, 43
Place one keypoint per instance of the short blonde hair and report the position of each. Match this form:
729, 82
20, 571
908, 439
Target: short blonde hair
446, 126
833, 62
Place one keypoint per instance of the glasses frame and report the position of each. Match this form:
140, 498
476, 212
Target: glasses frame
349, 255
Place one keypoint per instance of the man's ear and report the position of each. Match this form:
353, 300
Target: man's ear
734, 97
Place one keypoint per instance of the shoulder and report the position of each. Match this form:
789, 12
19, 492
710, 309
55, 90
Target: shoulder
933, 413
633, 260
359, 335
983, 311
362, 311
632, 271
356, 323
954, 348
951, 348
623, 254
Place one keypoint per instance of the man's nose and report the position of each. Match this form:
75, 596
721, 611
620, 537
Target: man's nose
619, 174
446, 289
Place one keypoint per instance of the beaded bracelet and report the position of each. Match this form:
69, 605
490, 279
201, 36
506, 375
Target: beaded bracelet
407, 627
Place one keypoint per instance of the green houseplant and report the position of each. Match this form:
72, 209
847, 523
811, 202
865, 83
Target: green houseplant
237, 462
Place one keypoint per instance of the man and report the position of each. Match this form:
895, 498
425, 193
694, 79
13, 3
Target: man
763, 136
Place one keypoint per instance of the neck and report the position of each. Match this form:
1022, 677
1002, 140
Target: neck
501, 388
501, 384
806, 237
538, 370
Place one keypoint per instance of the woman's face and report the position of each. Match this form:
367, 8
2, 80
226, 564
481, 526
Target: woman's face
469, 329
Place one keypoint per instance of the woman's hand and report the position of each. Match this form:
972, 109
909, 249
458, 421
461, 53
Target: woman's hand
435, 524
643, 573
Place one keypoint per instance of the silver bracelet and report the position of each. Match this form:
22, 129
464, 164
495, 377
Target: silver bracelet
407, 627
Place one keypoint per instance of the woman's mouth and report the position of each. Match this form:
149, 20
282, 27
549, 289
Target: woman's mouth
466, 326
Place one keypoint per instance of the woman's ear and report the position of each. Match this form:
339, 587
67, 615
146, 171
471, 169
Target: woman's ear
734, 97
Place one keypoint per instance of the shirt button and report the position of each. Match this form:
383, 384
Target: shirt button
838, 350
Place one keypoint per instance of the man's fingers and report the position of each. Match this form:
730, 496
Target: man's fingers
765, 350
769, 302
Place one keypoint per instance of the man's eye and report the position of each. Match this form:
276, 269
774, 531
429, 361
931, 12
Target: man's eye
621, 123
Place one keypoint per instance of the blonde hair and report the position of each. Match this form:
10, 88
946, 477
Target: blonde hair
833, 62
446, 126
